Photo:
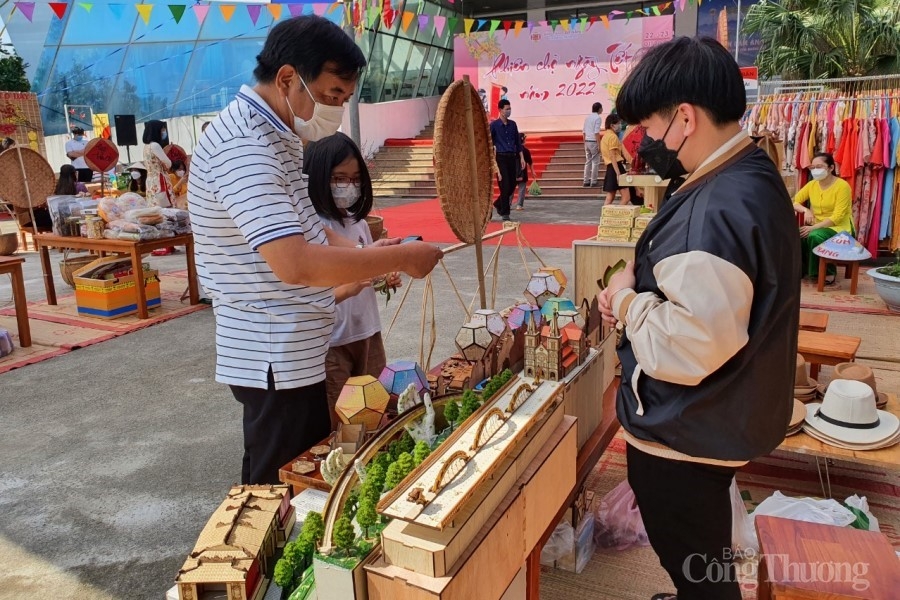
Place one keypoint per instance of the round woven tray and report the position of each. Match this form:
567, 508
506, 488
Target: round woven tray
451, 163
41, 179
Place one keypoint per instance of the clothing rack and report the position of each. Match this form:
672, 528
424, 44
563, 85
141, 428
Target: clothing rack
843, 98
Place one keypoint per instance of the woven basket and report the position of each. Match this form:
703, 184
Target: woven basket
9, 243
376, 226
466, 216
69, 265
41, 179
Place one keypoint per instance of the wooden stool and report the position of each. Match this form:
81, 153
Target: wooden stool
810, 560
820, 348
851, 271
813, 321
13, 266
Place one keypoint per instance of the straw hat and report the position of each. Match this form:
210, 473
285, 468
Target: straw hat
137, 165
825, 439
452, 170
802, 380
41, 178
797, 415
858, 372
847, 414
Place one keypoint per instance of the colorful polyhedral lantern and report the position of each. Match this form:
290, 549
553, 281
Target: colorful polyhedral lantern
547, 283
556, 305
491, 319
397, 376
519, 315
363, 400
564, 317
474, 340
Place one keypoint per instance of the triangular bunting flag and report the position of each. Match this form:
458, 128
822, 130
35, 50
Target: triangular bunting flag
681, 8
572, 24
646, 11
26, 8
553, 24
481, 24
87, 6
227, 11
59, 9
388, 14
665, 6
530, 27
605, 20
372, 16
253, 12
274, 10
467, 25
451, 24
295, 9
144, 10
319, 9
517, 28
656, 10
506, 26
584, 21
613, 13
200, 11
423, 22
406, 20
117, 10
494, 25
565, 25
177, 11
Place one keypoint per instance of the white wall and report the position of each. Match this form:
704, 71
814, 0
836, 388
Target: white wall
398, 119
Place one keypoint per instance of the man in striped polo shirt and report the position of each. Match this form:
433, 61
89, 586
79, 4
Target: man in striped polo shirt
263, 255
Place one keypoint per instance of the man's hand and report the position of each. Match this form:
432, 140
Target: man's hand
624, 279
604, 303
421, 258
394, 280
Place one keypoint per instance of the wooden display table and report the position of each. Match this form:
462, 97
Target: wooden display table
654, 187
12, 265
134, 249
800, 560
826, 349
813, 321
589, 260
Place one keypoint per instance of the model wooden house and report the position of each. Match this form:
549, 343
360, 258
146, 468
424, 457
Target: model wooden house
553, 352
235, 552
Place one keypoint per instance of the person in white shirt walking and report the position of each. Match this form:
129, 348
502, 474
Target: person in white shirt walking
263, 255
591, 132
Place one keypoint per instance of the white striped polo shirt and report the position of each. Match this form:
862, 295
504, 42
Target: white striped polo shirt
245, 190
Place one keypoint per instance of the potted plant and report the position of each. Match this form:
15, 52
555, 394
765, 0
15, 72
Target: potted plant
887, 282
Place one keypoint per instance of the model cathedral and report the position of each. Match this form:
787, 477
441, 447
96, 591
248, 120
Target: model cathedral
552, 353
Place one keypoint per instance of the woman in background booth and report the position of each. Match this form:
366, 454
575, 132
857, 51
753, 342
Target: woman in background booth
828, 212
159, 190
68, 184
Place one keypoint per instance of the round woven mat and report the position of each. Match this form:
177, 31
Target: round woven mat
41, 179
451, 163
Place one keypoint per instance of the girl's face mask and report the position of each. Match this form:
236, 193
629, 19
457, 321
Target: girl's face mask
135, 174
345, 196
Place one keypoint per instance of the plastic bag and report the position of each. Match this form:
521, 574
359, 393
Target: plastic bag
827, 512
865, 520
618, 522
534, 189
561, 542
743, 535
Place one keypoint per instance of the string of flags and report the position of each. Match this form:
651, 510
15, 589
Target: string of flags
363, 14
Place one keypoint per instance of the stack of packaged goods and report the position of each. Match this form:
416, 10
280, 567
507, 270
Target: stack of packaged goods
640, 224
617, 222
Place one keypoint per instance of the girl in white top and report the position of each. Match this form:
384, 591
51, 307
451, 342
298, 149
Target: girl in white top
341, 192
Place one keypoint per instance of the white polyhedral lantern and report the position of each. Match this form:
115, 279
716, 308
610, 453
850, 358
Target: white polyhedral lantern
541, 287
474, 340
491, 319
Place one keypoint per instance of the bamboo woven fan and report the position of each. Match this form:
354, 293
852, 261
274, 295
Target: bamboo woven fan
41, 179
465, 215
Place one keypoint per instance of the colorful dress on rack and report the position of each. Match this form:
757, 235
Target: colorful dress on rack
832, 203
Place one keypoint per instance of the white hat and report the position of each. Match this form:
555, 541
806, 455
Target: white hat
848, 414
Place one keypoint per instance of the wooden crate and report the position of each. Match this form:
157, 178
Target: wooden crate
513, 530
589, 260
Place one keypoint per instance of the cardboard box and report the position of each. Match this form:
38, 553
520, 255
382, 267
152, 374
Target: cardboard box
619, 233
616, 210
114, 298
616, 221
641, 222
576, 560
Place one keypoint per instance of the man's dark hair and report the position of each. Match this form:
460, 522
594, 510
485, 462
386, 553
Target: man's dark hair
77, 131
307, 43
503, 104
612, 119
596, 107
697, 71
153, 132
320, 159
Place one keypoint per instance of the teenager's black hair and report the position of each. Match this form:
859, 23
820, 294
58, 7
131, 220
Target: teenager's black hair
503, 104
697, 71
612, 119
65, 185
596, 107
153, 132
319, 160
307, 43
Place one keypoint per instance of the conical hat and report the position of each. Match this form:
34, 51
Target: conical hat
452, 170
842, 247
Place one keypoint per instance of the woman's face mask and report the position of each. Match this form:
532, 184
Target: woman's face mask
180, 173
325, 121
818, 173
135, 174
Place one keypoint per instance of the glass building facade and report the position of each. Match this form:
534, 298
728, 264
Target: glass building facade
108, 59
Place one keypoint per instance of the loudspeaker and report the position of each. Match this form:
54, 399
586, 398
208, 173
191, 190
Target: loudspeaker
126, 133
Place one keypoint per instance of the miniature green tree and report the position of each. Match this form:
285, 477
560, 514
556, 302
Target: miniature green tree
343, 535
284, 574
366, 515
305, 548
506, 375
407, 443
470, 404
451, 412
351, 503
314, 527
383, 459
374, 483
394, 450
420, 452
394, 476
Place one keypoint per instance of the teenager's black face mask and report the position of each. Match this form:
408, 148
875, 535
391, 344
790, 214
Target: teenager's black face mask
659, 157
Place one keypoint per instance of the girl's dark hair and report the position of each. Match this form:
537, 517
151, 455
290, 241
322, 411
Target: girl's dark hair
828, 158
139, 186
319, 160
153, 132
612, 119
65, 185
177, 164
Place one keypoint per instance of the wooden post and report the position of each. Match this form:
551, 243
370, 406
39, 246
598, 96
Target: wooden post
473, 176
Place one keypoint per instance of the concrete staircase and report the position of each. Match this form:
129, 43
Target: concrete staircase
404, 168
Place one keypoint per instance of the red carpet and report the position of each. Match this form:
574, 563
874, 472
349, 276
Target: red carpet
426, 219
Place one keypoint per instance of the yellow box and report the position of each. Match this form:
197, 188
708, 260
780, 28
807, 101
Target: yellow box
619, 233
616, 221
642, 221
615, 210
114, 298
